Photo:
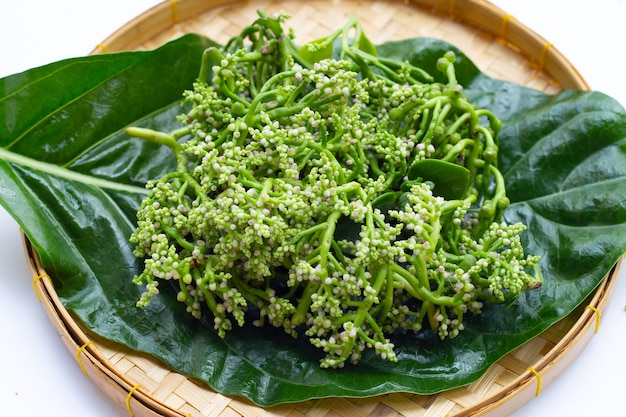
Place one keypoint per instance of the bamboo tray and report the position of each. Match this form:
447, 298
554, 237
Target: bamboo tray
502, 47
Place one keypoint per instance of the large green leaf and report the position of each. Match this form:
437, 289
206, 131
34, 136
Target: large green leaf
73, 180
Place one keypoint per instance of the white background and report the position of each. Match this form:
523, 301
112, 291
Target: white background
39, 377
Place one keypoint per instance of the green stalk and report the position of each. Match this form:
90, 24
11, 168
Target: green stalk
304, 303
411, 284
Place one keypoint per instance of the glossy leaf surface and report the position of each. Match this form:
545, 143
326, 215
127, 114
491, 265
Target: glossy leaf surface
73, 180
451, 181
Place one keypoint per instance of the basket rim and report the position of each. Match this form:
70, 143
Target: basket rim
481, 14
478, 13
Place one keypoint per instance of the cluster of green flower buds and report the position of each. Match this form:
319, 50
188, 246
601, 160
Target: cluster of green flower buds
342, 199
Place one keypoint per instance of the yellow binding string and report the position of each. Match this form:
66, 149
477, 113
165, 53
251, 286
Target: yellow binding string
598, 316
102, 46
174, 11
452, 9
78, 357
37, 278
128, 397
544, 53
504, 24
539, 381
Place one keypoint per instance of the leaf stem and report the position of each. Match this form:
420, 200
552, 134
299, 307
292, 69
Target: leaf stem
62, 172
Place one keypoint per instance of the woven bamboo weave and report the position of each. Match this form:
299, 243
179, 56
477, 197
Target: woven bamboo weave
500, 46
